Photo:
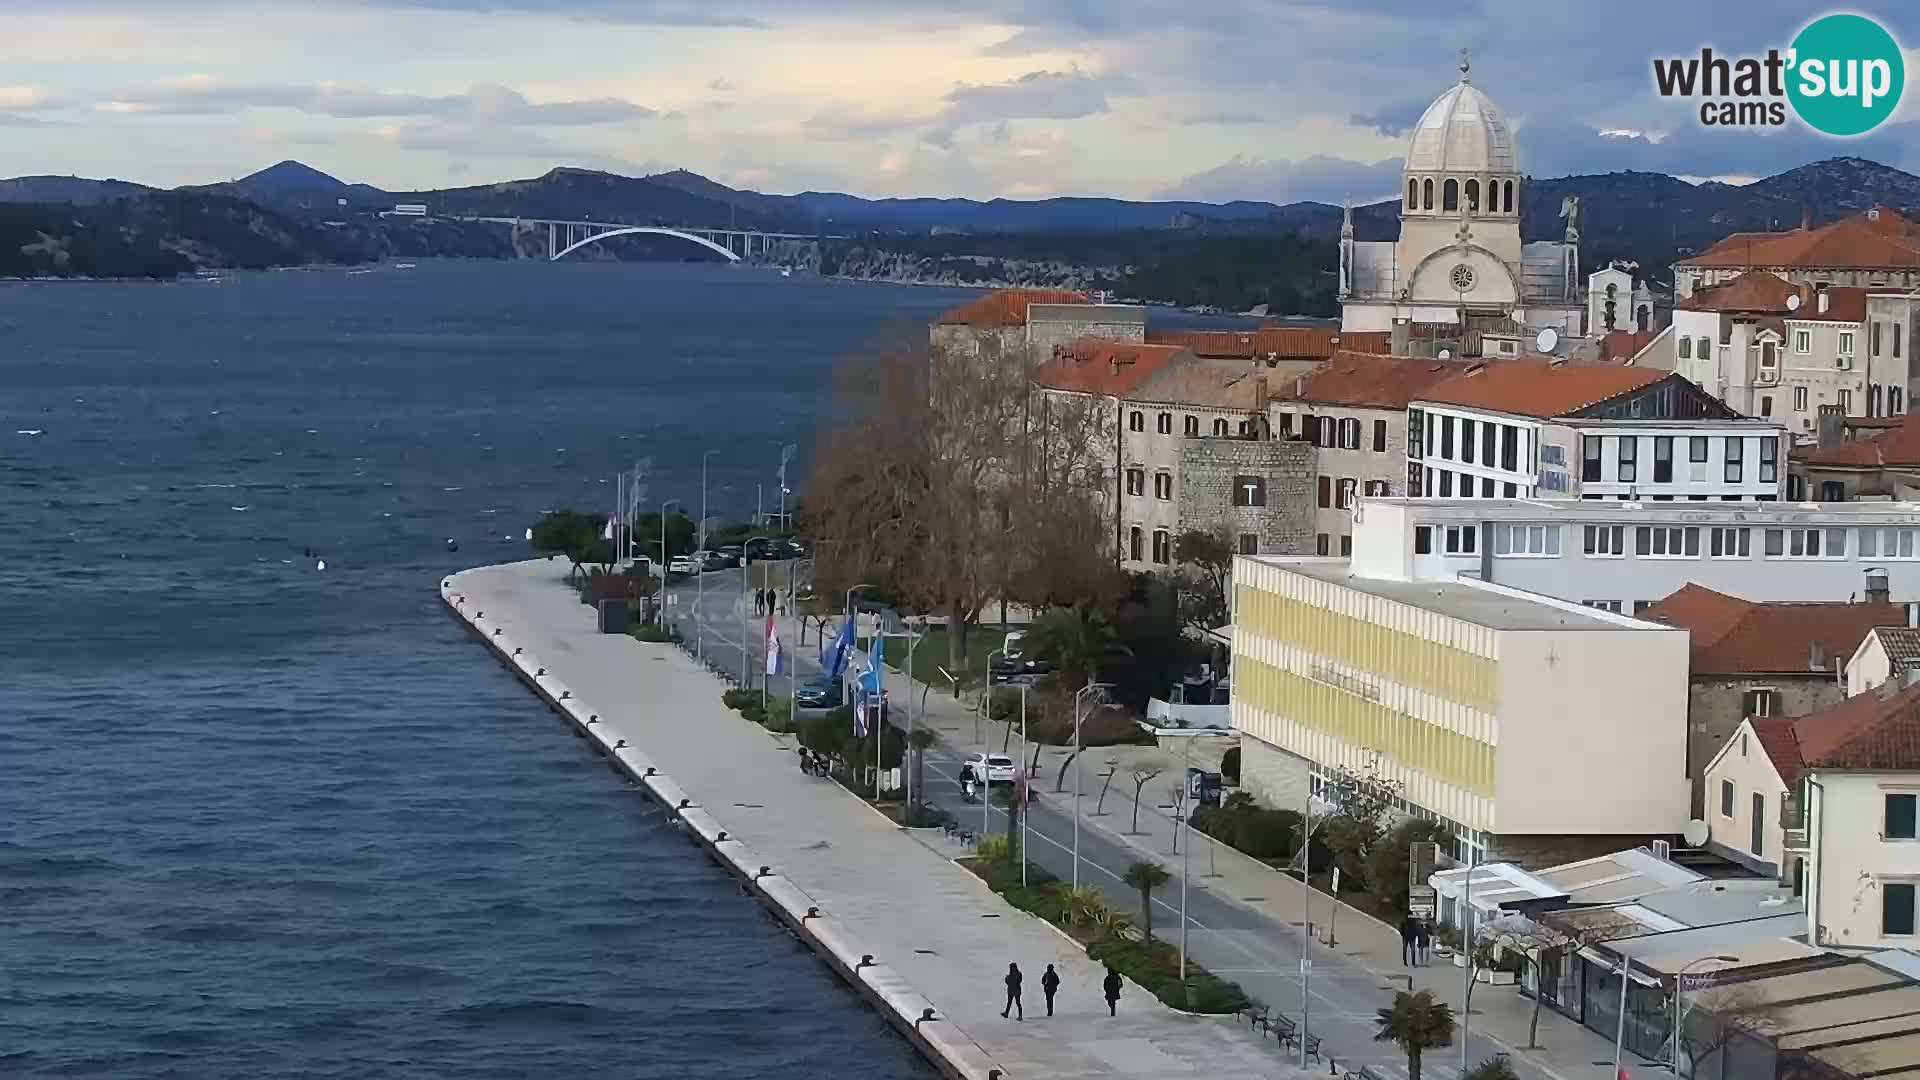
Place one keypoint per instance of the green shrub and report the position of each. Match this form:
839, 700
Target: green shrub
653, 632
1494, 1068
993, 848
738, 698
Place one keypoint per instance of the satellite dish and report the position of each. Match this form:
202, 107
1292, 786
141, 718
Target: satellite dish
1446, 354
1695, 834
1547, 340
1793, 302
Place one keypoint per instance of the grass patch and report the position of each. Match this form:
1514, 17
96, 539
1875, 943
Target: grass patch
770, 711
930, 655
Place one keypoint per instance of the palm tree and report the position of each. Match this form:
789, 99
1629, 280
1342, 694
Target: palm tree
1146, 876
1416, 1022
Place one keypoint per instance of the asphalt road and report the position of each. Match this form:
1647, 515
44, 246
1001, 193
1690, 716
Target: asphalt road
1259, 950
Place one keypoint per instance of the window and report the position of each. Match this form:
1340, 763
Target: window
1413, 194
1346, 546
1416, 434
1686, 348
1249, 491
1806, 543
1733, 470
1320, 543
1666, 541
1873, 400
1845, 400
1767, 357
1589, 457
1769, 461
1896, 907
1446, 484
1473, 195
1605, 539
1509, 199
1379, 436
1343, 494
1249, 543
1426, 194
1326, 492
1512, 491
1663, 459
1522, 540
1726, 798
1803, 341
1466, 441
1136, 482
1509, 447
1799, 399
1893, 401
1757, 824
1416, 479
1846, 343
1900, 816
1450, 195
1136, 421
1162, 547
1629, 450
1423, 539
1730, 543
1164, 423
1163, 486
1133, 543
1703, 348
1446, 436
1896, 339
1873, 338
1220, 428
1886, 543
1603, 605
1486, 487
1350, 433
1461, 539
1489, 436
1766, 404
1191, 427
1833, 491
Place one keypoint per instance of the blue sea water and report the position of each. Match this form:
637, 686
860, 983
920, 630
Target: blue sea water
260, 820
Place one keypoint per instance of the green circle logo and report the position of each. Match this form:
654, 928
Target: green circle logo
1846, 74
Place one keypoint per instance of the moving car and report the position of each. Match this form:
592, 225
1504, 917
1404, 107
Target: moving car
820, 693
997, 768
681, 564
1012, 665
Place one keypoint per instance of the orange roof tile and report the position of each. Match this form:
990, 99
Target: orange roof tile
1895, 447
1286, 342
1622, 345
1845, 303
1539, 388
1755, 291
1111, 368
1007, 307
1732, 636
1867, 731
1367, 380
1781, 746
1885, 239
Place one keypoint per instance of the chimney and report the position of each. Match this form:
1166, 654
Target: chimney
1260, 394
1820, 304
1402, 331
1877, 587
1913, 614
1830, 426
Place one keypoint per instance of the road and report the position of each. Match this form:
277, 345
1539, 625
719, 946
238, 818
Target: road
1259, 950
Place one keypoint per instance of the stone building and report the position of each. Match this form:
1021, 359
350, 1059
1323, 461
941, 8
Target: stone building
1858, 458
1259, 490
1035, 322
1763, 659
1875, 249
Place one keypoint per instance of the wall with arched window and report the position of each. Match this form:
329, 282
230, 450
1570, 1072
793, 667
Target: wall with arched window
1473, 196
1426, 193
1450, 195
1413, 194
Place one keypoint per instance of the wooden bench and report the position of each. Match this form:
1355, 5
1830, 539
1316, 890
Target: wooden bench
1313, 1047
1256, 1013
1283, 1028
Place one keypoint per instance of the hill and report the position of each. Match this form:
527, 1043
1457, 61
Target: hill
77, 190
588, 194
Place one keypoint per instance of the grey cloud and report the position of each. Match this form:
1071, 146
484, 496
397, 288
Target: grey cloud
18, 121
1225, 117
1319, 178
1391, 119
483, 103
1043, 95
1566, 149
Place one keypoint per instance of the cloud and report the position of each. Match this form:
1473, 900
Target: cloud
19, 121
1046, 95
1391, 119
483, 103
1319, 178
29, 99
719, 86
1224, 116
1570, 149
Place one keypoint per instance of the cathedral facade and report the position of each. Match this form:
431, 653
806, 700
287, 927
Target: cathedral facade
1460, 258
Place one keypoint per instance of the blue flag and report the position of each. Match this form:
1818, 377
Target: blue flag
879, 654
834, 659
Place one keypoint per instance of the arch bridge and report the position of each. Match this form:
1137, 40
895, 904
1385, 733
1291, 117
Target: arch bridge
566, 237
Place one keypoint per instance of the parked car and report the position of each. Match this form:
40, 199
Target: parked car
731, 554
997, 768
1012, 665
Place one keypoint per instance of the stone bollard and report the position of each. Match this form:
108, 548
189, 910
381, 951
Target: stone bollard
926, 1016
866, 960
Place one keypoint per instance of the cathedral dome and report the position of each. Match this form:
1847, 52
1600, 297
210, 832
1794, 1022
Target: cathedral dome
1462, 132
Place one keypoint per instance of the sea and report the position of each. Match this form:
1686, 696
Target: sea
262, 819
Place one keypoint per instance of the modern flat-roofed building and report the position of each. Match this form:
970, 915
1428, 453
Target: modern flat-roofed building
1502, 714
1624, 556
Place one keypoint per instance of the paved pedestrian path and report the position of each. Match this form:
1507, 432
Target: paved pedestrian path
937, 926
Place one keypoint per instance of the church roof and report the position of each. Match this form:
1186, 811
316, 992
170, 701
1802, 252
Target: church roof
1462, 131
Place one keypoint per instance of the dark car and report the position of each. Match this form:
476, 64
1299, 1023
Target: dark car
820, 694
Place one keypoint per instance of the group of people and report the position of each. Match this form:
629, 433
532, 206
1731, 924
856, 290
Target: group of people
766, 601
1050, 985
1415, 937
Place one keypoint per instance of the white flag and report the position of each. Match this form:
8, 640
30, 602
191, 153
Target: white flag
607, 533
774, 657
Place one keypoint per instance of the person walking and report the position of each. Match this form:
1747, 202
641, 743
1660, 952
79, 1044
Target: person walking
1050, 985
759, 600
1013, 993
782, 597
1111, 984
1423, 937
1409, 937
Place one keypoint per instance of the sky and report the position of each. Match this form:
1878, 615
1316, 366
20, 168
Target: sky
1208, 99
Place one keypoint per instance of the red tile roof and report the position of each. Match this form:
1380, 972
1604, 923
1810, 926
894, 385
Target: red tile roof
1896, 447
1755, 291
1007, 307
1619, 346
1539, 388
1845, 303
1111, 368
1285, 342
1868, 731
1733, 636
1365, 380
1880, 238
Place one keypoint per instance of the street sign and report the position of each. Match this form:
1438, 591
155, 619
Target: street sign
1336, 881
1306, 966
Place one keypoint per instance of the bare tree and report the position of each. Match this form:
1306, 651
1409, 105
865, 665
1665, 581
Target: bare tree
1141, 778
1099, 805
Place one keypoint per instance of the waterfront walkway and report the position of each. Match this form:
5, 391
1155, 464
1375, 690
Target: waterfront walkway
937, 926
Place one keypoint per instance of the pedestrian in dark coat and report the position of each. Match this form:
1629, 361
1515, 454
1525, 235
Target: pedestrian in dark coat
1409, 938
1050, 985
759, 601
1422, 940
1013, 992
1112, 987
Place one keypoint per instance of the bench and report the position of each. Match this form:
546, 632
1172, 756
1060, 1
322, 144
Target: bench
1255, 1013
1365, 1073
1281, 1026
1313, 1047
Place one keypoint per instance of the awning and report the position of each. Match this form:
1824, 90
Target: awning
1613, 964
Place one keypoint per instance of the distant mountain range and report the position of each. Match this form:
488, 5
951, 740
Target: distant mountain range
1647, 218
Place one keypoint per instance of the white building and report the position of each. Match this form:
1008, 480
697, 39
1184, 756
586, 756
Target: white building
1617, 301
1459, 254
1561, 429
1875, 249
1626, 555
1886, 654
1503, 715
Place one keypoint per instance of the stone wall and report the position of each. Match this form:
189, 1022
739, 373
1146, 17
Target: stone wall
1210, 470
1716, 705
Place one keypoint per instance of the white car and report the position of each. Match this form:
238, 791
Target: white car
997, 768
680, 564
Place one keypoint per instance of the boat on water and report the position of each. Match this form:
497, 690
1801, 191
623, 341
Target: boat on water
786, 271
403, 266
359, 271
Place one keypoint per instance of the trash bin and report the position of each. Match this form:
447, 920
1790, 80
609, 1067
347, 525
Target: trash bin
614, 616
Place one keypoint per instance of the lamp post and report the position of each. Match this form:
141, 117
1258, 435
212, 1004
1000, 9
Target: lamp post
664, 503
700, 585
1078, 749
987, 704
1679, 1009
1186, 737
1024, 791
913, 639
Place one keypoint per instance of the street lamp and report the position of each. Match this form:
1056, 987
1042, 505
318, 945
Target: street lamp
664, 560
1078, 748
913, 639
1186, 736
700, 585
1679, 1010
986, 705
